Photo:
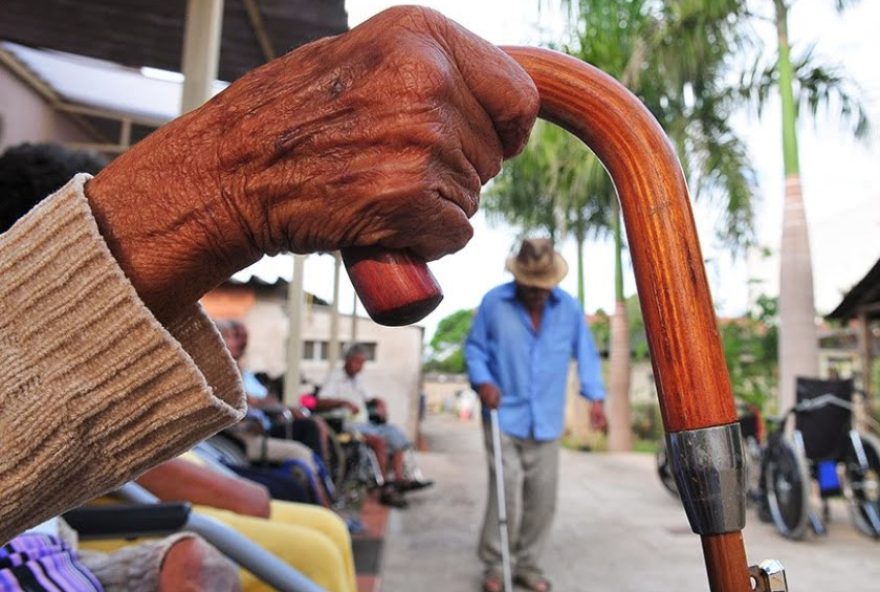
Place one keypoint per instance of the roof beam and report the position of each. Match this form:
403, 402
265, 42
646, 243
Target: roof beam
51, 97
109, 114
259, 26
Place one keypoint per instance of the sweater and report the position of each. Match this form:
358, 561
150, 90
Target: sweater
93, 389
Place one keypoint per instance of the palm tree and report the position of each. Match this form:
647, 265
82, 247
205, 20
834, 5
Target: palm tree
555, 186
801, 83
674, 58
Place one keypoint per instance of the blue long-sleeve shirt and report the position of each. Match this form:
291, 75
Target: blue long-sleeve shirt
530, 367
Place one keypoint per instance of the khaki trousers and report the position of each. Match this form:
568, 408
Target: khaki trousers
531, 472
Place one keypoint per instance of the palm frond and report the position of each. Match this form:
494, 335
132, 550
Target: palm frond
821, 85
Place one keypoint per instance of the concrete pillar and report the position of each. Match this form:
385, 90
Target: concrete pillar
294, 334
333, 353
354, 321
201, 51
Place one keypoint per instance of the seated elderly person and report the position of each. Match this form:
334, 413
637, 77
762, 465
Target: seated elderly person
382, 136
343, 390
311, 431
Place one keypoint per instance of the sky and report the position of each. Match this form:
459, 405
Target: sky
841, 178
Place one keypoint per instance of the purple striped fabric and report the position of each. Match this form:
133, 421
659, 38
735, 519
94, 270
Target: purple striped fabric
35, 562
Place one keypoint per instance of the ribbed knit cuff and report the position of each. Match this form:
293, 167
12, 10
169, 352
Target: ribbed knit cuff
93, 389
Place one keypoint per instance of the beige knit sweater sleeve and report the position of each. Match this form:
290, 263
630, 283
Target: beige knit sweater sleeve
93, 389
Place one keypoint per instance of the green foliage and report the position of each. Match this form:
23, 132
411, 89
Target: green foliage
556, 186
817, 83
600, 327
447, 345
750, 350
647, 425
675, 56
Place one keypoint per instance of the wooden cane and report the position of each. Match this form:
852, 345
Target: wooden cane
686, 354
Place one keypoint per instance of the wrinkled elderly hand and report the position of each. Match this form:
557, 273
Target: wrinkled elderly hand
381, 136
490, 396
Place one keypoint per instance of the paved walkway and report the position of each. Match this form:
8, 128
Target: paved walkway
616, 530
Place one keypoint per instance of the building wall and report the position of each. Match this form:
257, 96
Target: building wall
26, 117
442, 389
394, 375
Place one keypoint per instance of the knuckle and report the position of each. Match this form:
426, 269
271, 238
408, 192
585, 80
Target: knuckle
470, 201
490, 169
423, 76
529, 103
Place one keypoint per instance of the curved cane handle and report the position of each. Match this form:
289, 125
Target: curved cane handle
673, 291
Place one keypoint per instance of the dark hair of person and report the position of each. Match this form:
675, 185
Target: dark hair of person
31, 172
355, 350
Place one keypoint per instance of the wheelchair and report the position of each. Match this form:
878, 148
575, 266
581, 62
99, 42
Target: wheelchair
826, 449
357, 466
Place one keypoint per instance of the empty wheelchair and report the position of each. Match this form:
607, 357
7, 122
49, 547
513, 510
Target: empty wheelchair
826, 449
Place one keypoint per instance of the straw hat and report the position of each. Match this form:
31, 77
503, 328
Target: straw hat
537, 264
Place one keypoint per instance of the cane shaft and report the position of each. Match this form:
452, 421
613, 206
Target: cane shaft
725, 557
501, 498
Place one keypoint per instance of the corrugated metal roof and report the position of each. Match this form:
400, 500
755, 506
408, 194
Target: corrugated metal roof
104, 85
140, 33
279, 286
864, 293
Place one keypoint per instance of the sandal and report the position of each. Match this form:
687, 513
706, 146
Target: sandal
392, 497
534, 583
492, 582
413, 484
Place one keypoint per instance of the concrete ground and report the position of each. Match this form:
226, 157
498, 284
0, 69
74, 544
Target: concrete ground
616, 529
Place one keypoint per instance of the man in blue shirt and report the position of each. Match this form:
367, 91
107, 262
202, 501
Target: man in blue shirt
523, 338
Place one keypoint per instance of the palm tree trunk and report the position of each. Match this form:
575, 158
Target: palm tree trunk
619, 419
798, 339
580, 239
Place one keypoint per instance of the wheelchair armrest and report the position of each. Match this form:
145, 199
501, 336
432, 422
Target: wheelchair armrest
128, 521
277, 412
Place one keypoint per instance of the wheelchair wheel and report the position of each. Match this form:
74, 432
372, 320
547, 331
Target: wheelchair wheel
664, 469
786, 485
752, 458
863, 484
338, 459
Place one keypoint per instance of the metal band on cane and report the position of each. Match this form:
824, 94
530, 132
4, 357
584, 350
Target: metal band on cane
710, 474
